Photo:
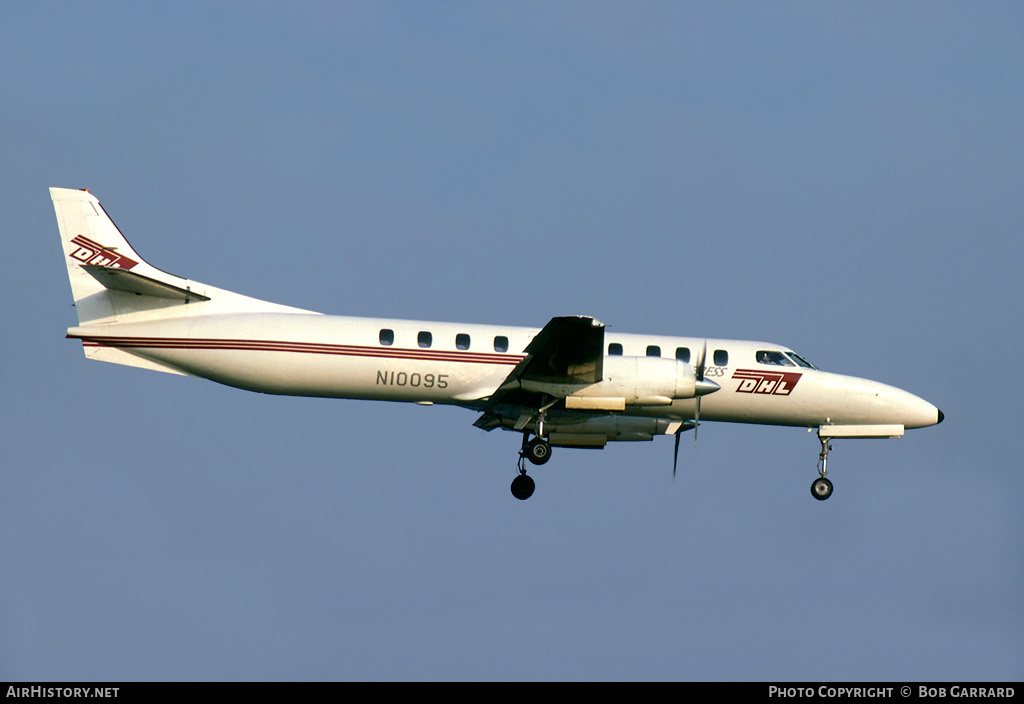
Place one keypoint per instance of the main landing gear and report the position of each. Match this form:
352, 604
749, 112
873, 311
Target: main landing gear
821, 488
538, 451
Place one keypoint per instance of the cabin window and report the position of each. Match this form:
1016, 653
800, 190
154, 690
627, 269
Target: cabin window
683, 354
776, 359
462, 341
615, 349
387, 337
721, 358
501, 343
424, 339
653, 351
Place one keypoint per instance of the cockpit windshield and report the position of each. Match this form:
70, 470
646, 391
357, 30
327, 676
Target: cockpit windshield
800, 360
777, 358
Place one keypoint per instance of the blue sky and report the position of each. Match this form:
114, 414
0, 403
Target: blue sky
843, 179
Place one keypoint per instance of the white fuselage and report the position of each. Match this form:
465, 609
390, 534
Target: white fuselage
449, 363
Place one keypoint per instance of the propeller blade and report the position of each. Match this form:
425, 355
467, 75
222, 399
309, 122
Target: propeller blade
699, 372
696, 420
675, 456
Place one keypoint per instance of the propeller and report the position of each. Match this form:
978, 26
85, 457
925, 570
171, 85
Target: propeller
704, 387
699, 371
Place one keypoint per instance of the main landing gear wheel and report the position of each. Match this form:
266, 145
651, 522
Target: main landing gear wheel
538, 451
522, 487
821, 488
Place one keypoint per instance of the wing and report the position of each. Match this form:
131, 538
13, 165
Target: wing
567, 350
567, 354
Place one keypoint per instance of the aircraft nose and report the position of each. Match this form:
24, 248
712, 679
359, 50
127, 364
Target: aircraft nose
921, 414
913, 412
941, 417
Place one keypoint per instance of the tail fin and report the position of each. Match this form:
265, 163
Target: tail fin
111, 283
101, 262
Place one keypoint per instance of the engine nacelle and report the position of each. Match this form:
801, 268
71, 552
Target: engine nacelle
636, 381
596, 432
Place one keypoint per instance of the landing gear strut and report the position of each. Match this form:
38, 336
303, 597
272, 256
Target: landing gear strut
821, 488
538, 451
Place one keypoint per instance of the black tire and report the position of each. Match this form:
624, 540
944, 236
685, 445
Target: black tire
538, 451
821, 488
522, 487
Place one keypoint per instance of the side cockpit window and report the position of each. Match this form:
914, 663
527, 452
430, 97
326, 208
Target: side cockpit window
773, 358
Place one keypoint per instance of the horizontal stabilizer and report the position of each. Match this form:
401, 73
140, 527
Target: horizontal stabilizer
130, 282
113, 355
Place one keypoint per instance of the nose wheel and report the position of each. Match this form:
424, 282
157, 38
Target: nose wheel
821, 488
538, 451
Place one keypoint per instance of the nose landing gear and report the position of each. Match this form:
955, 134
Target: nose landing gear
821, 488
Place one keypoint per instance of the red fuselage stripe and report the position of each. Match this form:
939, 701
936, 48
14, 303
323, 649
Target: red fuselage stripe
300, 347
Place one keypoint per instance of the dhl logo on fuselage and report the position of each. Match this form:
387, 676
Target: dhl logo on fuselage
759, 381
95, 254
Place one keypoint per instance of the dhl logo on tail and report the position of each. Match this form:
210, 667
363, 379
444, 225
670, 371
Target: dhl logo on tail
95, 254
